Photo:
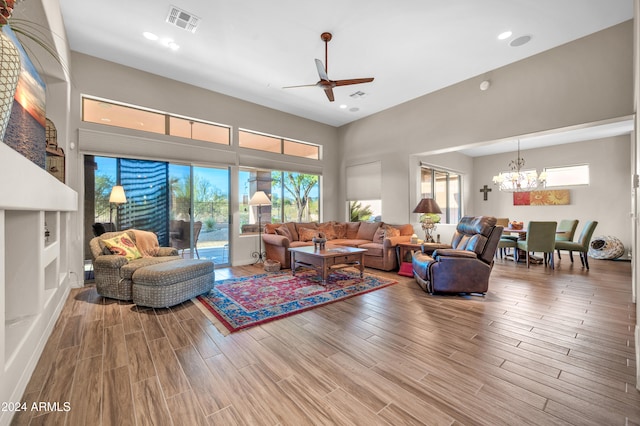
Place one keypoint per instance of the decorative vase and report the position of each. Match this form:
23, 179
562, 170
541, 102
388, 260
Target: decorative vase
9, 73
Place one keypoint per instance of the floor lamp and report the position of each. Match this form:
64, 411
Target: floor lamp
259, 199
117, 197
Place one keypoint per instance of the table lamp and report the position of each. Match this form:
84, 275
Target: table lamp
425, 207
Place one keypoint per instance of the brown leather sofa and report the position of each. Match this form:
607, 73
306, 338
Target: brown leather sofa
379, 239
466, 266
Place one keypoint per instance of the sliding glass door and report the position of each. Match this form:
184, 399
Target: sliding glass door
186, 206
199, 207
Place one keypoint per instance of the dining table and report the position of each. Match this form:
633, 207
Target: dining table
522, 255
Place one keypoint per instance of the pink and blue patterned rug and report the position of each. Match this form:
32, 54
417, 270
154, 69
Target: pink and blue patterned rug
239, 303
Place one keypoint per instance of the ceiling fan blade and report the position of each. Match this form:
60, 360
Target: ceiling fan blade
329, 93
301, 85
321, 71
353, 81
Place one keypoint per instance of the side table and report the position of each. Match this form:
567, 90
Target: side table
402, 249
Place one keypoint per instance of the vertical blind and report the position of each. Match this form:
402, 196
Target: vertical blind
146, 185
364, 181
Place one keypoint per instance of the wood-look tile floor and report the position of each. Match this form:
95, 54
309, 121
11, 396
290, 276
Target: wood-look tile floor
543, 347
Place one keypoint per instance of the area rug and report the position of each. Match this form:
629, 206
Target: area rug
240, 303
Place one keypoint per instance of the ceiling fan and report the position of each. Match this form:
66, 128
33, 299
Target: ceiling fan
324, 83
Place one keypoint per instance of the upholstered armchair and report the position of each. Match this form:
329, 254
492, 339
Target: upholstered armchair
466, 266
113, 272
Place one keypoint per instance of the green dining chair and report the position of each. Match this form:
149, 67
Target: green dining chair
506, 240
582, 245
541, 237
565, 232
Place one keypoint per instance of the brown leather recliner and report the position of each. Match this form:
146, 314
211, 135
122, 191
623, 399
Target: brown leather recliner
465, 267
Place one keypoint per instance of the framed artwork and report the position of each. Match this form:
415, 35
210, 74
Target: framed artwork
551, 197
27, 122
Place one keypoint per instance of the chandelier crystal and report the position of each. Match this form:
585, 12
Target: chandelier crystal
519, 180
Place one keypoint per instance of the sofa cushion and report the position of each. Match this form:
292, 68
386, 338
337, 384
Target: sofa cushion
340, 229
127, 270
406, 229
373, 249
352, 230
122, 245
270, 228
367, 230
354, 242
328, 230
300, 244
307, 234
284, 231
385, 231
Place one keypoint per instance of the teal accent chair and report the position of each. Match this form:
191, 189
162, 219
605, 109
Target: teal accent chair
582, 245
565, 232
541, 237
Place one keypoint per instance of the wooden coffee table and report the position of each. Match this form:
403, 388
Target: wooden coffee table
327, 260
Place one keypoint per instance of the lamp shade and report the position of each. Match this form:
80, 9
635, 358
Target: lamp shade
427, 205
117, 195
259, 199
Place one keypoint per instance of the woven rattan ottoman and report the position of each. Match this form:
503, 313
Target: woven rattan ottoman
169, 283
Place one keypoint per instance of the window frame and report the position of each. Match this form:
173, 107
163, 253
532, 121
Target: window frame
166, 117
550, 171
282, 142
446, 216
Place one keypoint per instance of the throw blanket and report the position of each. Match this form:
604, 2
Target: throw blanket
146, 242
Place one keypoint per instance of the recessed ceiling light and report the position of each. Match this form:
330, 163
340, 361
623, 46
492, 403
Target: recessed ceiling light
149, 36
343, 106
520, 41
505, 35
173, 45
354, 109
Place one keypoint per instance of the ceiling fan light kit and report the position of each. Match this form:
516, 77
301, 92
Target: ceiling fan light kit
325, 83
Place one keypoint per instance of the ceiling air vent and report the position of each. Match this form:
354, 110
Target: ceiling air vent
182, 19
358, 94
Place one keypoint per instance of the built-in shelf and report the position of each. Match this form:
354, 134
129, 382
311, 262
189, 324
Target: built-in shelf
34, 277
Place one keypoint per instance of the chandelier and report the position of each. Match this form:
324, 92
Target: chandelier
518, 180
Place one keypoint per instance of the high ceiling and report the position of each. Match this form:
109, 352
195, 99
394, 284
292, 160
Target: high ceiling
250, 49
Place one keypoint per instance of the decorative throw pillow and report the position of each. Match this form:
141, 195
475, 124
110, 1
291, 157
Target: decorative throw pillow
270, 228
328, 230
385, 231
307, 234
284, 231
390, 231
122, 245
378, 237
340, 230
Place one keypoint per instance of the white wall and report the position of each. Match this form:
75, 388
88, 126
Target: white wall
96, 77
584, 81
606, 199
